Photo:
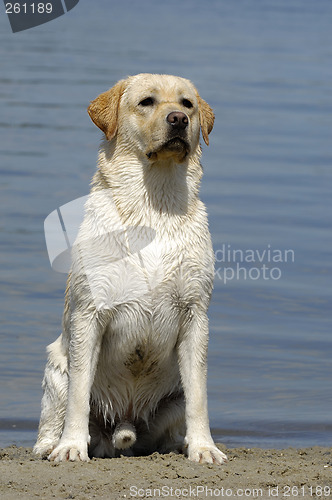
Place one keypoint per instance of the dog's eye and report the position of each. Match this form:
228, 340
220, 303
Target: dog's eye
186, 103
148, 101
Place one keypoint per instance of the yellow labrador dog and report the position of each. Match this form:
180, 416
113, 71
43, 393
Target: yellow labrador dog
128, 373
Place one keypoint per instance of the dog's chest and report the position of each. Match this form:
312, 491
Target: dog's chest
150, 290
138, 362
141, 336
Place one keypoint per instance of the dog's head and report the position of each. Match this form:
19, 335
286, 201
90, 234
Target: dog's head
159, 116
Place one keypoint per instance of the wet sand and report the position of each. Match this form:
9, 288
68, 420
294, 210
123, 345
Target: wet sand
249, 473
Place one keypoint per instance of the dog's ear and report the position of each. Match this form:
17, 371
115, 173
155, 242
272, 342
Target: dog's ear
104, 109
206, 118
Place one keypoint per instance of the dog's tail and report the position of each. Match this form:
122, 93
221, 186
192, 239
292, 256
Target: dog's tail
124, 436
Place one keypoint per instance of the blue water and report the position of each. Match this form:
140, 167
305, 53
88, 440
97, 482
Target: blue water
265, 66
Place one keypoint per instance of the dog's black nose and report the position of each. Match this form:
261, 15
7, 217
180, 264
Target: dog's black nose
178, 119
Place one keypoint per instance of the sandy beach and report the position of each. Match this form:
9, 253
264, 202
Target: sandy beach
249, 473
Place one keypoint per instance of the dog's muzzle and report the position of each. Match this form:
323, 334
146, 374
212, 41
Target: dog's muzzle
177, 136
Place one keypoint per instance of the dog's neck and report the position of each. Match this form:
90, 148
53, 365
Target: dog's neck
143, 189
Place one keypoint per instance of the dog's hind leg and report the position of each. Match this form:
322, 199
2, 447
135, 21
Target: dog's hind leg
53, 407
166, 428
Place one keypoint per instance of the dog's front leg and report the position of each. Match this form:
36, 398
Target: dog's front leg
84, 348
192, 352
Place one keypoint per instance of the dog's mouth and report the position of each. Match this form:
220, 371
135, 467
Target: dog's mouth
176, 146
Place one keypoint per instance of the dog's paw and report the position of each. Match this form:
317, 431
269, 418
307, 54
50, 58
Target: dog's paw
43, 449
72, 451
206, 454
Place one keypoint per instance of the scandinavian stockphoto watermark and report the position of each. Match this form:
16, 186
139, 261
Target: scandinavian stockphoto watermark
251, 264
131, 256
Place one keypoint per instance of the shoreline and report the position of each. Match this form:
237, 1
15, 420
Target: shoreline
249, 473
258, 434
